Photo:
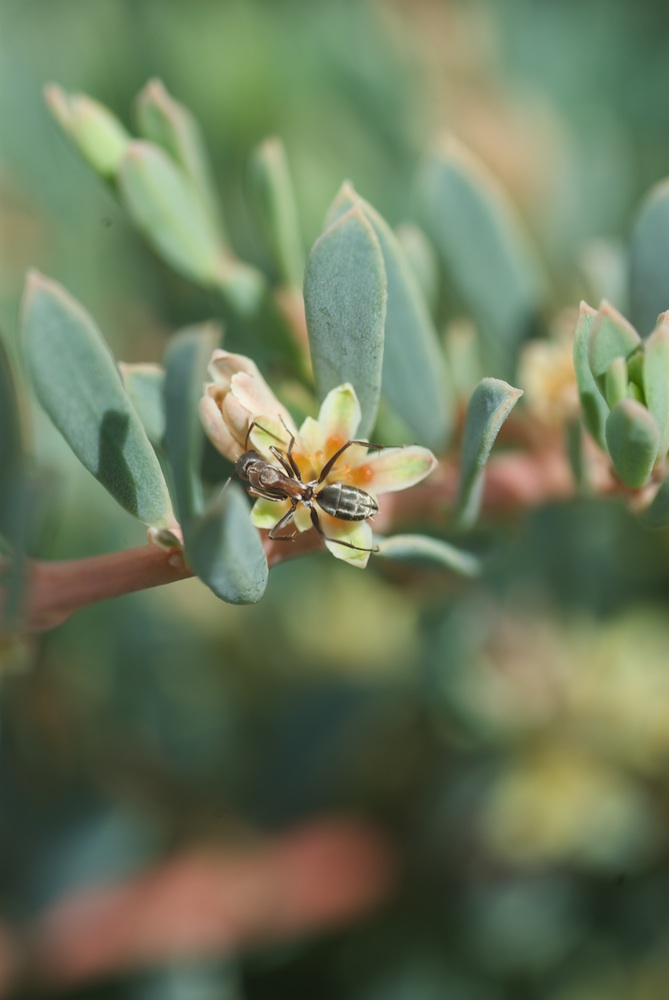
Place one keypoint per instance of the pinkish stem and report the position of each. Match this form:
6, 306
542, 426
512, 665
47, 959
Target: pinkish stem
56, 589
513, 482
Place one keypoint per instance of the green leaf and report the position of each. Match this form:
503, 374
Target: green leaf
78, 384
423, 549
243, 287
11, 450
574, 450
415, 379
225, 550
632, 438
423, 261
345, 293
649, 259
595, 410
96, 132
616, 382
484, 251
169, 124
14, 500
166, 207
657, 514
611, 337
186, 362
145, 385
273, 190
489, 406
656, 379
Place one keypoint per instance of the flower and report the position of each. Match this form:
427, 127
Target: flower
236, 397
239, 413
546, 373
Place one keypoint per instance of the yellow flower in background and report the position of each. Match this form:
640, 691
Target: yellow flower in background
557, 802
546, 373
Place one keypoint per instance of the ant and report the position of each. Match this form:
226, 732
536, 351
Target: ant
339, 500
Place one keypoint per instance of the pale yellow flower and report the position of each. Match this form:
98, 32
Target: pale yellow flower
240, 413
546, 373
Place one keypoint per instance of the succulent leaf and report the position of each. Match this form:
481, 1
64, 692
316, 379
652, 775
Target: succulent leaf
345, 293
78, 384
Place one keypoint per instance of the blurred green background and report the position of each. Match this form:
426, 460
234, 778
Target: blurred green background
511, 737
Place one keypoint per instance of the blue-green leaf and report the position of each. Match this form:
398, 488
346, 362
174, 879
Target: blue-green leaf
165, 205
273, 190
171, 125
656, 379
415, 379
595, 410
345, 293
616, 382
186, 362
423, 261
657, 514
225, 550
489, 406
96, 132
13, 499
423, 549
649, 259
167, 208
484, 251
632, 438
611, 336
78, 384
10, 426
145, 385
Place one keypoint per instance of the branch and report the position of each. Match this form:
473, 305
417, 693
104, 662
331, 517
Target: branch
514, 482
56, 589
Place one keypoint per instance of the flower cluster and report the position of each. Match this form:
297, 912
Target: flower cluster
240, 412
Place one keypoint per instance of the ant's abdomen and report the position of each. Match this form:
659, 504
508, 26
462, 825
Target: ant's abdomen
348, 503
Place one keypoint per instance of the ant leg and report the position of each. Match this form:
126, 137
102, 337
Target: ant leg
327, 468
338, 541
281, 523
261, 494
255, 423
289, 451
288, 467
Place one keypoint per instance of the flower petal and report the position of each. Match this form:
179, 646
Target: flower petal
237, 419
268, 433
215, 427
266, 513
302, 518
256, 396
355, 532
223, 365
394, 469
310, 436
340, 413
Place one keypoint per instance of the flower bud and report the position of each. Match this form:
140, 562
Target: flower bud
237, 396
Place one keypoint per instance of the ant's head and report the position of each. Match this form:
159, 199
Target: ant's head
244, 463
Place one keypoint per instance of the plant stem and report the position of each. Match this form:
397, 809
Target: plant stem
514, 482
56, 589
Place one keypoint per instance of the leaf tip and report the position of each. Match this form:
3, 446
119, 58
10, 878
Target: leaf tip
512, 392
347, 190
57, 101
136, 150
585, 310
154, 90
35, 282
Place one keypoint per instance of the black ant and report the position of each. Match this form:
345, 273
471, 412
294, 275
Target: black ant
339, 500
